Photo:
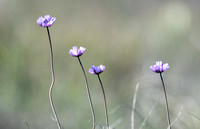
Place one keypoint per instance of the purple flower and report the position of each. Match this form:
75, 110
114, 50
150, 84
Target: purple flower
77, 52
97, 69
46, 21
159, 67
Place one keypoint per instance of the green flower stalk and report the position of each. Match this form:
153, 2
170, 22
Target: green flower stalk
48, 21
97, 70
159, 67
75, 52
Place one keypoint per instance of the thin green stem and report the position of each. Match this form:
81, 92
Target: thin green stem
27, 125
166, 101
88, 93
105, 104
52, 81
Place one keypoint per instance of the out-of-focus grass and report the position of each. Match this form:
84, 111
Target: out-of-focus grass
126, 36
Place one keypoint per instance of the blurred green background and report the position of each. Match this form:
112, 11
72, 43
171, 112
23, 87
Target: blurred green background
127, 36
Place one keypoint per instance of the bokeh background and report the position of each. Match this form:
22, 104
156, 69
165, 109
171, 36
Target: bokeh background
127, 36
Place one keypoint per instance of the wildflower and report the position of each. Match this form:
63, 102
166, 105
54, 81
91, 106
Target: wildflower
159, 67
77, 52
97, 70
46, 21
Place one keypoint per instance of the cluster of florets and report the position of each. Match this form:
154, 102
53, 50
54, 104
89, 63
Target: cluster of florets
159, 67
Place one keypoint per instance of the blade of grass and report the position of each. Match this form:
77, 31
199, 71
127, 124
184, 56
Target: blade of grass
27, 125
177, 117
146, 118
133, 106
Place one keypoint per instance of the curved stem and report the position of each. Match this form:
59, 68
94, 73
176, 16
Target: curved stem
88, 93
166, 101
106, 112
52, 81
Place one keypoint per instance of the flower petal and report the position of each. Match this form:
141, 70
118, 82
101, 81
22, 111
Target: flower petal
102, 67
76, 52
46, 21
97, 69
159, 67
91, 70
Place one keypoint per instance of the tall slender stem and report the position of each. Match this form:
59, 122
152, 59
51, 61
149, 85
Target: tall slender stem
133, 107
52, 81
166, 101
88, 93
105, 104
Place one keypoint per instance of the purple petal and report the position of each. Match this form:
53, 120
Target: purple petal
75, 48
76, 52
152, 68
165, 66
46, 21
51, 21
91, 70
97, 70
159, 67
40, 21
82, 49
71, 52
47, 17
102, 67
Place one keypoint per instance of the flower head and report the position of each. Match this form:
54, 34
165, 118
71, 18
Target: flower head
97, 69
159, 67
77, 52
46, 21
